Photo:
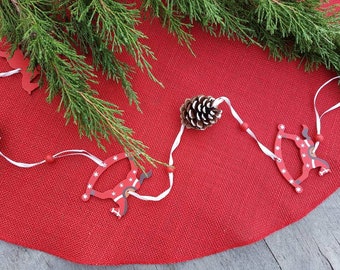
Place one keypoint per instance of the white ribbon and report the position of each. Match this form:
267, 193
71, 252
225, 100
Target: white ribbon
217, 102
9, 73
71, 152
177, 141
317, 115
21, 164
171, 174
263, 148
76, 152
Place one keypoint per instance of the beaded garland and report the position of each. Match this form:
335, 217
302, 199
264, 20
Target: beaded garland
199, 113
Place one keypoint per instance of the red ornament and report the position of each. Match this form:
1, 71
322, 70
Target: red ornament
170, 169
244, 126
307, 154
319, 138
49, 159
121, 191
19, 61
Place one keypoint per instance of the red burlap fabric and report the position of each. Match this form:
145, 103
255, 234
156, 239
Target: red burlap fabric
227, 193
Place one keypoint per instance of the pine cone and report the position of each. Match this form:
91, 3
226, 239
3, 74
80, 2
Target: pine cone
199, 113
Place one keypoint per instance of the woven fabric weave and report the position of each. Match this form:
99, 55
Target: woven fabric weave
227, 193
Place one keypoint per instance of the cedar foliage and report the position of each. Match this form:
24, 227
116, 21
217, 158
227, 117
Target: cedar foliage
58, 34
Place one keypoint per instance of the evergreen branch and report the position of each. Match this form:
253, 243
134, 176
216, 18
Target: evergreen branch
217, 17
16, 5
115, 25
45, 40
236, 23
9, 18
301, 30
225, 18
170, 19
102, 120
51, 32
104, 59
291, 29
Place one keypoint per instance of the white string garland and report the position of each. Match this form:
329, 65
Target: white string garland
171, 173
65, 153
318, 117
264, 149
217, 102
76, 152
9, 73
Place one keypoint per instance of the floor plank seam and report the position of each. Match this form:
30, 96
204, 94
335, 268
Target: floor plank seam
271, 252
325, 257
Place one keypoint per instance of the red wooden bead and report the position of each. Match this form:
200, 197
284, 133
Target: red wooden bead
244, 126
170, 169
49, 159
319, 138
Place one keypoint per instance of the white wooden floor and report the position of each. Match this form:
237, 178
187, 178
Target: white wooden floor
313, 243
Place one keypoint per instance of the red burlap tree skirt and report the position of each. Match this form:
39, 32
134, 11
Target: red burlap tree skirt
226, 193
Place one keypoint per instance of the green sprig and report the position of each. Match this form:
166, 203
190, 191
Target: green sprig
49, 41
289, 29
